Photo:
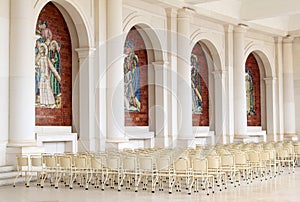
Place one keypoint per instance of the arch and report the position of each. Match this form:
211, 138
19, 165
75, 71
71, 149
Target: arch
75, 19
148, 33
215, 66
253, 81
81, 34
213, 50
200, 84
156, 66
266, 66
262, 55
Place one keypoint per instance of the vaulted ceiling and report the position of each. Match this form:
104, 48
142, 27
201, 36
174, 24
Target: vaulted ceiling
283, 15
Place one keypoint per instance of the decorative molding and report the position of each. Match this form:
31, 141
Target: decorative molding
85, 52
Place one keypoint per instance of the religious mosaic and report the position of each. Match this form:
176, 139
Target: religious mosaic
47, 68
196, 85
131, 79
250, 93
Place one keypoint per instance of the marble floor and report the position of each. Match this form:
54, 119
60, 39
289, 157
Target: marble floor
283, 188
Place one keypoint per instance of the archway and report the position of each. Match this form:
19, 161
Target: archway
81, 100
214, 79
154, 87
267, 96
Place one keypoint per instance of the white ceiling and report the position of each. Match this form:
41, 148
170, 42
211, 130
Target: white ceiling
283, 15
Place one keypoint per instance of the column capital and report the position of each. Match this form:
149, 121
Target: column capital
219, 74
288, 39
160, 63
85, 52
241, 28
270, 80
184, 12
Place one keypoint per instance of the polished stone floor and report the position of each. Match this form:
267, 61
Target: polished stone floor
283, 188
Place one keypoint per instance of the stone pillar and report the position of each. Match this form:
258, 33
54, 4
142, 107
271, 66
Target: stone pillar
220, 109
100, 62
86, 100
271, 108
229, 87
184, 92
288, 87
279, 98
161, 107
114, 75
4, 78
172, 74
240, 110
22, 82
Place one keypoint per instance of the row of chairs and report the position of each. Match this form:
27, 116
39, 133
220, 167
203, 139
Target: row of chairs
191, 168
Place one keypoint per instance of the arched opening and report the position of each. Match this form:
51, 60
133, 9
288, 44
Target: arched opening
200, 83
253, 94
263, 120
65, 20
53, 69
149, 118
213, 93
135, 80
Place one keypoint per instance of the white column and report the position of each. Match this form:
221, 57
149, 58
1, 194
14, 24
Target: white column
114, 73
229, 87
271, 108
4, 78
161, 104
279, 98
220, 107
22, 99
184, 76
86, 100
21, 80
100, 62
240, 110
172, 73
288, 87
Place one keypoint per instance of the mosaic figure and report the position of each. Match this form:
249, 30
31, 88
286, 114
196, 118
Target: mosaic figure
131, 79
250, 93
196, 85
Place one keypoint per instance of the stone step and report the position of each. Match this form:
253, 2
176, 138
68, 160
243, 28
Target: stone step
8, 174
10, 181
7, 168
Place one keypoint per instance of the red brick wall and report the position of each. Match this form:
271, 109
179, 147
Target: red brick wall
58, 116
202, 119
139, 118
251, 64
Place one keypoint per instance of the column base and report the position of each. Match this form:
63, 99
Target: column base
3, 153
132, 142
187, 142
14, 149
116, 143
291, 136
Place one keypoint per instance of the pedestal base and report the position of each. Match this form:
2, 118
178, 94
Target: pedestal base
254, 134
56, 139
135, 138
291, 136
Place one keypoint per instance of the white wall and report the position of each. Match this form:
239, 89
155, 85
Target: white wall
4, 72
296, 50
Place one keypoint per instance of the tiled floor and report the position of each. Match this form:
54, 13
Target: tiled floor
283, 188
